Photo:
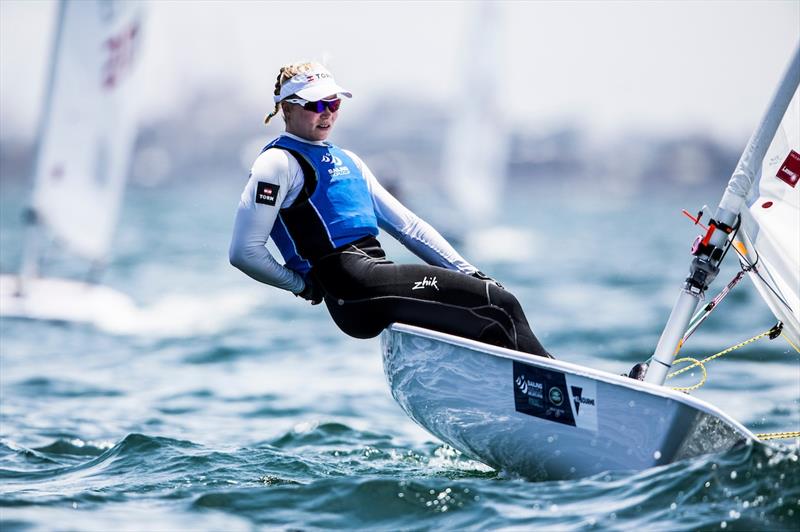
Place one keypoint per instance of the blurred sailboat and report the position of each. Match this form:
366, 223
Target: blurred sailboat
86, 136
477, 145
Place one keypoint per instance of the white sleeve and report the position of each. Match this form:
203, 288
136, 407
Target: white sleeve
254, 220
409, 229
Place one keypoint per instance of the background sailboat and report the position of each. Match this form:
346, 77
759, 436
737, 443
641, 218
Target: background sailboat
476, 147
478, 141
86, 136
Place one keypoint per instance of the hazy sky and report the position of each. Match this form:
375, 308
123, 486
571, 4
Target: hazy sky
609, 65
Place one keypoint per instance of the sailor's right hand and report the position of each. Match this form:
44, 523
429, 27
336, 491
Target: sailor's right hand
312, 292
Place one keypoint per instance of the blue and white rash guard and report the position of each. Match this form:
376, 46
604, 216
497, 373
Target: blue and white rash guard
261, 204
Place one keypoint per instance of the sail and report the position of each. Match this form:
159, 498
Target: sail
88, 130
771, 224
476, 147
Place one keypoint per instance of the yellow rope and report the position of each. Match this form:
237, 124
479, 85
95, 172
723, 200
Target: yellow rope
777, 435
763, 436
790, 342
717, 355
696, 363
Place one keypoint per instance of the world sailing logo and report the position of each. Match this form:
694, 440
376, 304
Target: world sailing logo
330, 158
338, 167
522, 384
530, 388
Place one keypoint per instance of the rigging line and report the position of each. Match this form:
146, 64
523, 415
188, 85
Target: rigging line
696, 363
751, 267
773, 333
731, 238
777, 435
706, 311
790, 342
703, 313
721, 353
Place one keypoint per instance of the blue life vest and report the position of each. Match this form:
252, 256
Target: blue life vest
333, 209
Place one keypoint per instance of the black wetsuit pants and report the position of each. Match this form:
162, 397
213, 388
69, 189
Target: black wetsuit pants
365, 292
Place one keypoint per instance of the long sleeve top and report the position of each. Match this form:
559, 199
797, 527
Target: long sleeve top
254, 222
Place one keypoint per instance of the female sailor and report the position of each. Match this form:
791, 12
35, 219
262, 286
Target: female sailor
322, 206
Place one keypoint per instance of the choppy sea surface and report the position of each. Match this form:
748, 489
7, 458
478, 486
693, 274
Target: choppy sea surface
227, 405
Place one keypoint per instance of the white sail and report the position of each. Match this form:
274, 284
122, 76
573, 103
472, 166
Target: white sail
88, 128
771, 224
86, 136
476, 147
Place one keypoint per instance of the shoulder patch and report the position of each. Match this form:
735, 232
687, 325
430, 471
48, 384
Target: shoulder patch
267, 193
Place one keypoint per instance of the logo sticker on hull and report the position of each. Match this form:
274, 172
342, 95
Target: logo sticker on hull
555, 396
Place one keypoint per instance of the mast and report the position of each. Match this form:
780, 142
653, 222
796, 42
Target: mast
709, 250
31, 251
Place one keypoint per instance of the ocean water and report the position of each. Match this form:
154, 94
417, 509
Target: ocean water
226, 405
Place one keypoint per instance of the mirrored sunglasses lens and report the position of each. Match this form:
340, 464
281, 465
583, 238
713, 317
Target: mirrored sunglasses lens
314, 107
319, 106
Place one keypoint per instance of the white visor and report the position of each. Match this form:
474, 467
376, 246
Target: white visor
312, 85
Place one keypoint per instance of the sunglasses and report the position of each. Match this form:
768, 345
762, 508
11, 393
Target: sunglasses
318, 106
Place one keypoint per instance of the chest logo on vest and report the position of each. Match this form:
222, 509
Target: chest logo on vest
425, 283
338, 166
267, 193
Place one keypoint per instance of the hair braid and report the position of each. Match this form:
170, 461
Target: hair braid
286, 73
278, 84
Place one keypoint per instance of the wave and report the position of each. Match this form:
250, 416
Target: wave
63, 388
331, 475
744, 489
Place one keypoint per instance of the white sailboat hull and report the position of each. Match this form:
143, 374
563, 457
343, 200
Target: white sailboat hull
544, 418
55, 299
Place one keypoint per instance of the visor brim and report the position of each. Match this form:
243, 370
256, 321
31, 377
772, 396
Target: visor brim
322, 91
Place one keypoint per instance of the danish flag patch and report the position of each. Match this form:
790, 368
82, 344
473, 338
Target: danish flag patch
267, 193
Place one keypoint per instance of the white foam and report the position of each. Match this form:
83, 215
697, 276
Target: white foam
114, 312
180, 315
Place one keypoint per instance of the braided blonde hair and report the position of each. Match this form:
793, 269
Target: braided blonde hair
287, 72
